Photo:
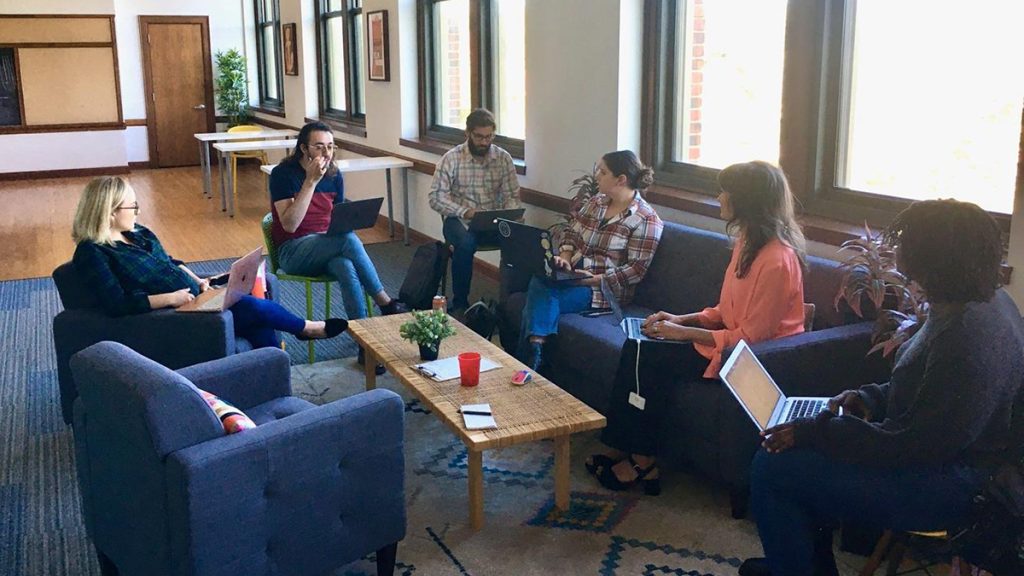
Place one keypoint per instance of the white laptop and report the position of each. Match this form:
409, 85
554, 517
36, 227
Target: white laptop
631, 325
240, 282
760, 397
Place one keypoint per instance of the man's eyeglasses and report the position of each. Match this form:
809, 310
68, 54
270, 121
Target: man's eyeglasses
134, 207
323, 147
481, 137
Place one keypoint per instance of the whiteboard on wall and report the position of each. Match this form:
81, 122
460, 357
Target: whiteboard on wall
68, 86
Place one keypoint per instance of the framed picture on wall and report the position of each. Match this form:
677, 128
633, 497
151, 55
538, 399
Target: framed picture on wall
291, 51
379, 60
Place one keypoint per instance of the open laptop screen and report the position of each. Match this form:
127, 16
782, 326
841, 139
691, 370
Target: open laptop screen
752, 385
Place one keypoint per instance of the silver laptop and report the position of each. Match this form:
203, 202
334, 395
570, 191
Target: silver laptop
240, 282
758, 394
631, 325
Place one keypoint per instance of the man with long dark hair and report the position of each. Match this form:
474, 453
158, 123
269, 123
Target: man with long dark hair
909, 454
475, 175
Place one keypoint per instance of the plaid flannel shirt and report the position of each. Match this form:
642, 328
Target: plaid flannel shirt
620, 246
462, 181
123, 275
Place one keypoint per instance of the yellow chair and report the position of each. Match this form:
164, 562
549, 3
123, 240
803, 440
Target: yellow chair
268, 241
892, 546
261, 154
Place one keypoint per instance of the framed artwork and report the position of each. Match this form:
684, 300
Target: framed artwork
379, 60
291, 52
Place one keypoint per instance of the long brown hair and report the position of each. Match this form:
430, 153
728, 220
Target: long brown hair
762, 210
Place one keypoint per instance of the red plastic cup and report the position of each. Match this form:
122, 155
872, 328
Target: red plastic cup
469, 368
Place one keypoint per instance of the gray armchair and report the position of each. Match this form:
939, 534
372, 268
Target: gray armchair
172, 339
166, 492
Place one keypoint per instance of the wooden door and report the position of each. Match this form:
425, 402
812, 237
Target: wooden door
179, 86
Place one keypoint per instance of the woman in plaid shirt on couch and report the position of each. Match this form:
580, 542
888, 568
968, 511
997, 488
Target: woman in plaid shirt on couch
613, 237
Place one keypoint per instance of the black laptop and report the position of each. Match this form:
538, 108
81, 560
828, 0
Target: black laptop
487, 220
529, 249
354, 215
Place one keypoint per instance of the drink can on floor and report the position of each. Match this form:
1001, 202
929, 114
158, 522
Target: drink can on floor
440, 303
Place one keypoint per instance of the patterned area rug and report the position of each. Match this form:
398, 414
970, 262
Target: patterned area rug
687, 530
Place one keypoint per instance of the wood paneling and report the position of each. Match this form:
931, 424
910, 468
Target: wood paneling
68, 85
58, 30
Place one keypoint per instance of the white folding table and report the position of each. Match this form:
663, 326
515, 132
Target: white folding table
205, 138
226, 178
385, 163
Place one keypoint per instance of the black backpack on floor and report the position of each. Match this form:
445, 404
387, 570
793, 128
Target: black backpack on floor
423, 279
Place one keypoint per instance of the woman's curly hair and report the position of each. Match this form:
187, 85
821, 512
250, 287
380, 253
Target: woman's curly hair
952, 249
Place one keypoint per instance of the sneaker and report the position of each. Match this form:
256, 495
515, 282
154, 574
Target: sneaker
393, 307
361, 360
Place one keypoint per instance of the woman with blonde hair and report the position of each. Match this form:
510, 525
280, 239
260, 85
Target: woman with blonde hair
127, 268
761, 299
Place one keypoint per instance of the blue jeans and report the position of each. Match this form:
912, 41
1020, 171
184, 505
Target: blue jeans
256, 319
796, 492
343, 258
465, 243
544, 304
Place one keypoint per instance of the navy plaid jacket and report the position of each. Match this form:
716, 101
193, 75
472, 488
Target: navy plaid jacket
123, 275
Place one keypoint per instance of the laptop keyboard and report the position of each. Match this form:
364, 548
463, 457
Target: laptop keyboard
633, 328
211, 305
804, 409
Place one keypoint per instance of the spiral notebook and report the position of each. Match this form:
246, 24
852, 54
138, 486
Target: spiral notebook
448, 368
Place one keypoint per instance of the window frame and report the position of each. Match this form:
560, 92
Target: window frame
814, 99
275, 104
482, 74
348, 14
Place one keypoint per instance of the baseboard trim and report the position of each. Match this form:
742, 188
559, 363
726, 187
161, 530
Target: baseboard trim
44, 174
139, 165
481, 267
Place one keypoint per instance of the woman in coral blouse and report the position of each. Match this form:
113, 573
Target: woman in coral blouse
762, 299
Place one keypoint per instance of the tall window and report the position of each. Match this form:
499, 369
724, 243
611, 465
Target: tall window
268, 54
867, 105
722, 86
342, 53
473, 56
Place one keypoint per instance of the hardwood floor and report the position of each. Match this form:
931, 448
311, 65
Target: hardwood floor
35, 224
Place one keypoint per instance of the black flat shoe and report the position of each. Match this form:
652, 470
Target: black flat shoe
361, 360
597, 462
755, 567
393, 307
332, 327
652, 486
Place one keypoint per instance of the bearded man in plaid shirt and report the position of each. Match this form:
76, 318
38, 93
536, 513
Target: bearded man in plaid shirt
475, 175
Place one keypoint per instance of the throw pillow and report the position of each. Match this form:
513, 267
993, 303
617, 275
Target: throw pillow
233, 419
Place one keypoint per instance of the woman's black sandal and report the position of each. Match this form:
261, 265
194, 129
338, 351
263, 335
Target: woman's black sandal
332, 327
652, 486
598, 462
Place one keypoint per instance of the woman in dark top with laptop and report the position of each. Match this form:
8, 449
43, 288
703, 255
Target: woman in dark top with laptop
127, 268
909, 454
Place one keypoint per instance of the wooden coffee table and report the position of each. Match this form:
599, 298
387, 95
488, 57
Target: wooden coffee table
535, 411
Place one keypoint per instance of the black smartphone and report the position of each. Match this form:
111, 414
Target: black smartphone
220, 280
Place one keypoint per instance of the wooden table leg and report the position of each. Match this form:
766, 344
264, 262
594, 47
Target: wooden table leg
562, 482
370, 369
476, 489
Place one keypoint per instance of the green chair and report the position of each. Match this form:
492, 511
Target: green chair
268, 240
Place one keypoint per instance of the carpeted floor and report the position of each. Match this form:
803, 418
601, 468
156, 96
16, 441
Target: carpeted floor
686, 530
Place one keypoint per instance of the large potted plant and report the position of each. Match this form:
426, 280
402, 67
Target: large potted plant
232, 87
426, 329
870, 276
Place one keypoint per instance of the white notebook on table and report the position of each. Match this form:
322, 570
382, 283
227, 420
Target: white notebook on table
478, 416
448, 368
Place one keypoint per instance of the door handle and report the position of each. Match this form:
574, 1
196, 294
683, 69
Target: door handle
199, 107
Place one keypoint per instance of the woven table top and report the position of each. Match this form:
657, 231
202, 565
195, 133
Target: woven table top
534, 411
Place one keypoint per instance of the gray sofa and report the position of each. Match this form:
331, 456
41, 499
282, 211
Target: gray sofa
709, 433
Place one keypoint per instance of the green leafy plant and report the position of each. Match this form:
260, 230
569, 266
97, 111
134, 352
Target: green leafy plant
427, 328
232, 86
583, 188
870, 275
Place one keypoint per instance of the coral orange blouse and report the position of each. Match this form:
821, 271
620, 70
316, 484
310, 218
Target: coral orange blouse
765, 304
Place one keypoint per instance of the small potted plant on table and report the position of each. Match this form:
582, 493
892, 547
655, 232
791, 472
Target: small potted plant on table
426, 329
